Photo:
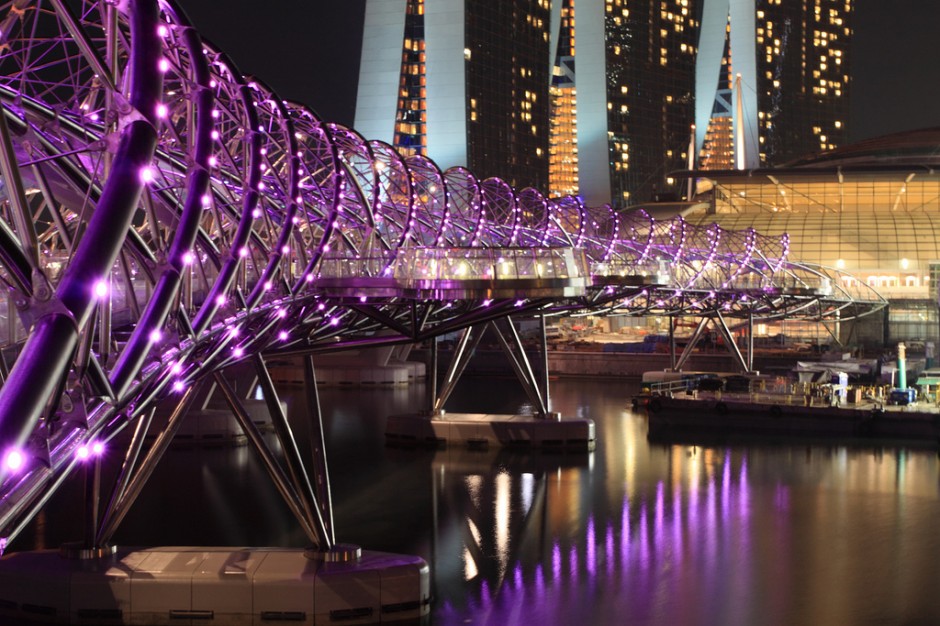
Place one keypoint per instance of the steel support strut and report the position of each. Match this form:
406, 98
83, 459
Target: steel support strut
318, 447
281, 481
125, 495
520, 363
466, 346
295, 465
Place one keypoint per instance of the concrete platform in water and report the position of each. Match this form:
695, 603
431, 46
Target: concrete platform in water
729, 416
208, 585
482, 430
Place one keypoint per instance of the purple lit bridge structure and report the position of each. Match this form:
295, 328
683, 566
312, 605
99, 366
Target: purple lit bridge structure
163, 218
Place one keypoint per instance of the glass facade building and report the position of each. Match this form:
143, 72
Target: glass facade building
871, 209
650, 57
507, 76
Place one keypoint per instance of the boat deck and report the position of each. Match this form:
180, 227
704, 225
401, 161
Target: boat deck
791, 415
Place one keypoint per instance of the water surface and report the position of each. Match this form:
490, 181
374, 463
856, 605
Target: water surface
756, 533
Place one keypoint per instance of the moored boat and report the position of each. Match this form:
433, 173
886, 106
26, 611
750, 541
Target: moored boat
780, 409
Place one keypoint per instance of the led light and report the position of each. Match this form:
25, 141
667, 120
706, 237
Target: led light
14, 460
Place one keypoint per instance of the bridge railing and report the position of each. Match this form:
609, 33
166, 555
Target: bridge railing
490, 264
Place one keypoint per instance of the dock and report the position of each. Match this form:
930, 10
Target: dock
767, 415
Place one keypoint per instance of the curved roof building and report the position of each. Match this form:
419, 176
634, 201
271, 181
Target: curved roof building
871, 208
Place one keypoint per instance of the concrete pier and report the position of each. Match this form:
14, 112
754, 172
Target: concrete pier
483, 430
209, 585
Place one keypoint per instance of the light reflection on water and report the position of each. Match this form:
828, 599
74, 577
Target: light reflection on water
632, 533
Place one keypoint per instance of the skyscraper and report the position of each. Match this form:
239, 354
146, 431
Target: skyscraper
649, 55
791, 61
467, 83
598, 97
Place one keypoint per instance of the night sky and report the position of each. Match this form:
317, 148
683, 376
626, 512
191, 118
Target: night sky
309, 52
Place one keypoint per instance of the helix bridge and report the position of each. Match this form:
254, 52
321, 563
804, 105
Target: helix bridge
164, 218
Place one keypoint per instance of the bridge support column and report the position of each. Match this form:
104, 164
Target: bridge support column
280, 480
672, 343
731, 343
321, 471
690, 346
432, 376
750, 342
520, 363
466, 346
92, 500
130, 482
546, 393
296, 468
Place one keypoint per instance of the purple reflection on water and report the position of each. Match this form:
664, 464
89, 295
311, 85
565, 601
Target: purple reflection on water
677, 518
539, 581
726, 496
573, 563
711, 522
744, 490
486, 599
782, 498
609, 548
517, 576
591, 557
658, 524
642, 539
556, 561
726, 480
625, 532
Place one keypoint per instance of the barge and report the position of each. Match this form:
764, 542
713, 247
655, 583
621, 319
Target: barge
789, 410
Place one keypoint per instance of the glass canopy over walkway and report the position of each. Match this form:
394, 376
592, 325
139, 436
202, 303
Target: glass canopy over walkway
163, 217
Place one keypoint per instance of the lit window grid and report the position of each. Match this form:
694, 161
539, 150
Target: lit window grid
507, 102
639, 37
410, 135
791, 98
873, 229
563, 143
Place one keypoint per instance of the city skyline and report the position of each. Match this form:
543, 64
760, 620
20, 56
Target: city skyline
889, 95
